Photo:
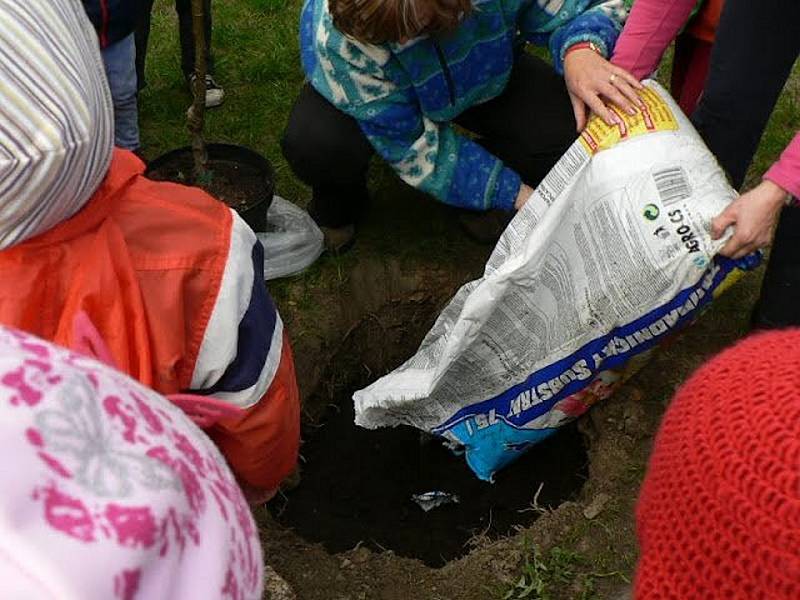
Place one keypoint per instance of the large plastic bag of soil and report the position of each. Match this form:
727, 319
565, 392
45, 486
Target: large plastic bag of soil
610, 255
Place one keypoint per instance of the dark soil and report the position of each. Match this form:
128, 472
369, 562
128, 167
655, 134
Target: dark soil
363, 316
240, 186
357, 486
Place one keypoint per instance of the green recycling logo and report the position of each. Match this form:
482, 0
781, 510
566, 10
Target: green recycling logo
651, 212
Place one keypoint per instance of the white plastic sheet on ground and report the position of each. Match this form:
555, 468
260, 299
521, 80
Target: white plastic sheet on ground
610, 255
293, 241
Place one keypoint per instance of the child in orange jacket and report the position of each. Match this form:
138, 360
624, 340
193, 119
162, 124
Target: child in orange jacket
170, 278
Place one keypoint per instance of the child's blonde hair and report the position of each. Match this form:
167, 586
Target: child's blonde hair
385, 21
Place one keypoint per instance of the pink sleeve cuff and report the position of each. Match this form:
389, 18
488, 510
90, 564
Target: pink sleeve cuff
786, 172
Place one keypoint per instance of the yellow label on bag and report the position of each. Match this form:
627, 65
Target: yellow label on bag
654, 116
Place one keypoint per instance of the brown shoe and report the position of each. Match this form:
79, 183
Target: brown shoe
339, 240
485, 227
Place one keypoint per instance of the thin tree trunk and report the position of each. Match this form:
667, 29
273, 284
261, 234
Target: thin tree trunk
196, 115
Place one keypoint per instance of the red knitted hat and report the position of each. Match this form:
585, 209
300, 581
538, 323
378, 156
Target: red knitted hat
719, 511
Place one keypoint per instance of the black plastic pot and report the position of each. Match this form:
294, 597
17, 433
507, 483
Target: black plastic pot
175, 164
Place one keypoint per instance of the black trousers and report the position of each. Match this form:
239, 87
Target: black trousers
184, 10
757, 44
529, 126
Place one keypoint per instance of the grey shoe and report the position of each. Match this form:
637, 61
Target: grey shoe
215, 95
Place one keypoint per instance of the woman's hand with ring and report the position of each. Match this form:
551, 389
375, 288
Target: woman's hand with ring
592, 81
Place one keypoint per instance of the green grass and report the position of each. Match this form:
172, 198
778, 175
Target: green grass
257, 62
546, 576
256, 50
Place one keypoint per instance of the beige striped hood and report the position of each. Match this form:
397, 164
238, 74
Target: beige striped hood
56, 116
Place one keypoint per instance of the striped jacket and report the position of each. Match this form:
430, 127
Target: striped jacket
404, 96
173, 282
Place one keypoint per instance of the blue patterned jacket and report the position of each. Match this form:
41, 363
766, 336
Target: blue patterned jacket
404, 96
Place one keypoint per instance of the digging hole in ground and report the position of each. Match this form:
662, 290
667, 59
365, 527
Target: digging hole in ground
357, 486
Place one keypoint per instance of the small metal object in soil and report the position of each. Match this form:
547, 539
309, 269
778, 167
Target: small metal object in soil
430, 500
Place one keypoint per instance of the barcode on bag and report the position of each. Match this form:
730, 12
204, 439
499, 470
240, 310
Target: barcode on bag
563, 173
673, 185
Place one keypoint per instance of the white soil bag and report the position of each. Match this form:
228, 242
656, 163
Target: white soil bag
610, 255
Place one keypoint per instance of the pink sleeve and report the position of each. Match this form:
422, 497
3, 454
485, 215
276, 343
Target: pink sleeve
651, 27
786, 172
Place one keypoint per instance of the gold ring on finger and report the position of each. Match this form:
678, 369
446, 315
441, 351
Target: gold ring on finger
612, 78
